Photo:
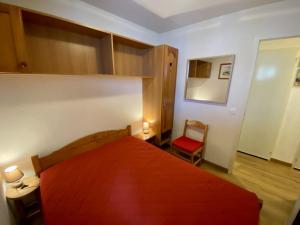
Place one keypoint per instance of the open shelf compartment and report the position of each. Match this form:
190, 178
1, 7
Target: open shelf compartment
132, 57
56, 46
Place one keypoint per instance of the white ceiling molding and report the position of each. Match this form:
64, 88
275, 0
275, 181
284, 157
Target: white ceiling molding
167, 8
165, 15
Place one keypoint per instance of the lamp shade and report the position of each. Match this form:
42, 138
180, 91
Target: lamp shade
146, 125
12, 174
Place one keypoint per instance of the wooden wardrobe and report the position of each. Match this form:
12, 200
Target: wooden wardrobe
159, 93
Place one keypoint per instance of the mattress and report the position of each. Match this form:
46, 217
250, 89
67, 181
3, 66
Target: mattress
130, 182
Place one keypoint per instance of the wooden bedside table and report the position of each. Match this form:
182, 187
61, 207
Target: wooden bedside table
146, 137
25, 203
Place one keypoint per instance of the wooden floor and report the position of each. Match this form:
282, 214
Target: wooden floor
277, 185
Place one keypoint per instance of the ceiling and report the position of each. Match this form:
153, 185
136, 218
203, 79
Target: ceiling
165, 15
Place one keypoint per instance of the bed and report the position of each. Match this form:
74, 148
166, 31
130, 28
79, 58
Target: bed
112, 178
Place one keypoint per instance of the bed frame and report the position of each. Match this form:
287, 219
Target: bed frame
77, 147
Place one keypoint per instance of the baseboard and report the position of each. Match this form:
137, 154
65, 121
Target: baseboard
272, 159
251, 155
223, 169
281, 162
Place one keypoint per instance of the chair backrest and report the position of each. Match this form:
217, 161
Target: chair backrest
198, 125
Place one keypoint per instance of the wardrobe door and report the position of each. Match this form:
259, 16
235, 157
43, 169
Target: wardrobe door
169, 85
12, 43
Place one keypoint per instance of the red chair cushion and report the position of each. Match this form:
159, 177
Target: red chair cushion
187, 144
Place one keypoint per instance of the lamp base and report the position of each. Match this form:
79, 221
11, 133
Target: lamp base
18, 184
146, 131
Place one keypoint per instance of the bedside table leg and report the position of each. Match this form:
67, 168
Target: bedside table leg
18, 210
37, 194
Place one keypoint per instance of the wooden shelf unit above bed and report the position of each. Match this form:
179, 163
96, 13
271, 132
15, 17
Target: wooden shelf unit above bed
59, 47
37, 43
132, 57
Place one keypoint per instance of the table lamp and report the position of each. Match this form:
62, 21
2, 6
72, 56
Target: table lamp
146, 127
13, 175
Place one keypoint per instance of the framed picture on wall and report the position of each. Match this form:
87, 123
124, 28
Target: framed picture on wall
297, 80
225, 71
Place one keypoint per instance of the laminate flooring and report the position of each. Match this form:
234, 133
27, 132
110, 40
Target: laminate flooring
276, 184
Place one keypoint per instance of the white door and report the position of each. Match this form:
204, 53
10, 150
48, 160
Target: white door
267, 100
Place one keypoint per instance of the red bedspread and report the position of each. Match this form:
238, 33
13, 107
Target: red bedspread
130, 182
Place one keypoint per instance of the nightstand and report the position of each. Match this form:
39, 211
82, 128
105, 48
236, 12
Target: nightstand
150, 137
25, 203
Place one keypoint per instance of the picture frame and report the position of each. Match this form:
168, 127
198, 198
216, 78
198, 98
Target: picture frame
297, 79
225, 71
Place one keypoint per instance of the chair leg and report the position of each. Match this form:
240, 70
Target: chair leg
192, 158
200, 160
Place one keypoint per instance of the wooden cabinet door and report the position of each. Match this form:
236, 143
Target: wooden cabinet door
169, 85
13, 56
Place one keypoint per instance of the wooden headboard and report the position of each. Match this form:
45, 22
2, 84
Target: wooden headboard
77, 147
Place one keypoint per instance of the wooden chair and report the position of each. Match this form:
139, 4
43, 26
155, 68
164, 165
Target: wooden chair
194, 149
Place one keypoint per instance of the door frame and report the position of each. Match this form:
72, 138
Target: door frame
256, 45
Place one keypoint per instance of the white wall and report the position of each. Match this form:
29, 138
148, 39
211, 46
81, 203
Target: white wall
39, 114
212, 88
289, 137
267, 101
239, 34
287, 147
